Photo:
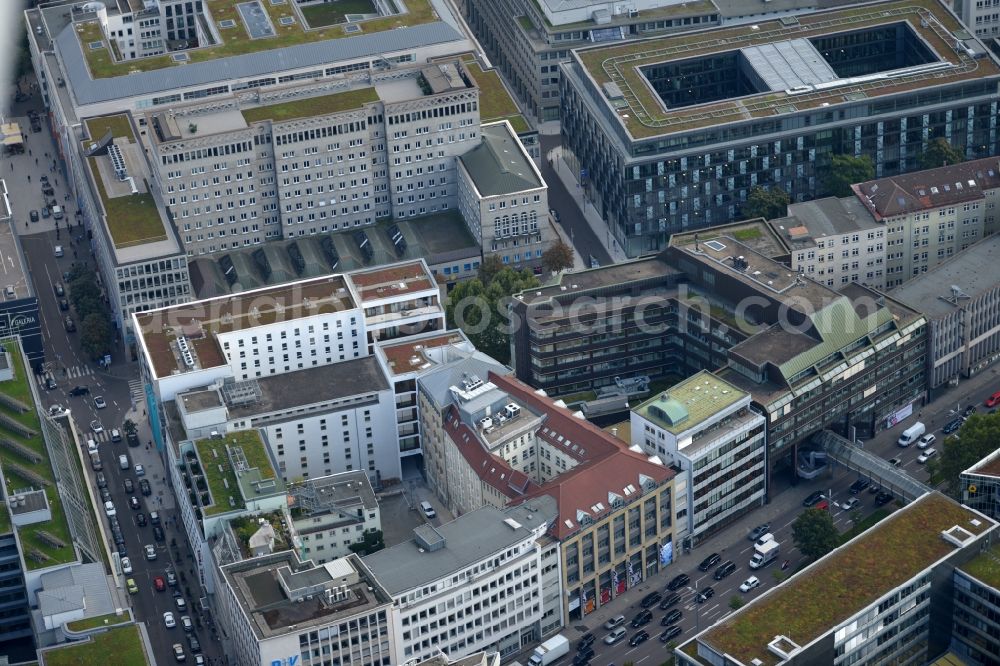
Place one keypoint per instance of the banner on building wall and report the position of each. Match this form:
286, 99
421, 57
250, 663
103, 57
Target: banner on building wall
667, 553
898, 415
605, 595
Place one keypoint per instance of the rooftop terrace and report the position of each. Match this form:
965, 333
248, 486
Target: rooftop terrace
596, 278
644, 115
233, 30
201, 321
410, 354
308, 107
846, 581
124, 644
495, 102
25, 462
985, 567
232, 478
689, 403
391, 281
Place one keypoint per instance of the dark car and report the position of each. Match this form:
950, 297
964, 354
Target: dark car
63, 304
586, 641
859, 485
705, 595
129, 486
157, 533
952, 426
678, 581
122, 550
724, 570
639, 638
969, 411
117, 534
643, 618
140, 519
105, 495
134, 503
759, 531
583, 658
673, 617
193, 642
672, 600
813, 499
69, 324
34, 215
144, 487
670, 633
709, 562
77, 391
883, 498
102, 481
651, 599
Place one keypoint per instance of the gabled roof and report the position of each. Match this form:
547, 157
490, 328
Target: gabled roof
499, 164
490, 468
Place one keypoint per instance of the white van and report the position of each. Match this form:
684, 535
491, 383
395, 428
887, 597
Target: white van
911, 434
123, 461
428, 510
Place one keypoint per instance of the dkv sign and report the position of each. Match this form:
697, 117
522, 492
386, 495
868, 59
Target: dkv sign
287, 661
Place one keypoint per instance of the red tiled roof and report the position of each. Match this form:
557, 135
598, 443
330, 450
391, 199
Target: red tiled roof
492, 469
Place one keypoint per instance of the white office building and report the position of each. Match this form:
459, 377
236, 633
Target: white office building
332, 513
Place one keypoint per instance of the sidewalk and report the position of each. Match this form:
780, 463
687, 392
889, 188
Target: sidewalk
163, 496
588, 212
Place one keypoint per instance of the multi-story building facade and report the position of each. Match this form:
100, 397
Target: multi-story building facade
982, 16
144, 28
834, 241
19, 308
276, 607
960, 300
980, 485
705, 427
930, 216
503, 198
976, 614
668, 143
878, 618
332, 513
471, 584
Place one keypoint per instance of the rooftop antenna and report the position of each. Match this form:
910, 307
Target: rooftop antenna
696, 245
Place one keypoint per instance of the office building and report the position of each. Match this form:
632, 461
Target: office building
976, 614
930, 216
834, 241
469, 585
332, 513
276, 607
959, 299
982, 17
705, 427
980, 485
671, 134
19, 308
504, 200
851, 606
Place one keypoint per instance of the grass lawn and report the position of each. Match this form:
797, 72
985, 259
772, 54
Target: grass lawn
876, 516
312, 106
5, 524
119, 126
331, 13
582, 396
746, 234
222, 484
495, 102
254, 450
132, 219
99, 621
985, 567
123, 645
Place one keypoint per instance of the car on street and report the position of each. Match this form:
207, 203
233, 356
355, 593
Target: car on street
749, 584
109, 508
181, 604
952, 426
859, 485
969, 411
709, 562
651, 599
159, 583
642, 618
759, 531
678, 581
132, 587
168, 620
116, 435
126, 565
813, 499
724, 570
673, 617
69, 324
706, 594
850, 504
58, 249
140, 470
883, 498
171, 578
99, 402
140, 519
63, 304
150, 552
96, 426
671, 600
586, 641
895, 462
670, 633
616, 621
186, 623
33, 215
993, 400
926, 455
77, 391
583, 657
639, 638
926, 441
128, 485
179, 652
133, 502
193, 643
144, 487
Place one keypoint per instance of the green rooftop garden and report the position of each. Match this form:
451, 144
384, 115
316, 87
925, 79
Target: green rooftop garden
985, 567
123, 645
245, 527
223, 483
25, 462
99, 621
235, 40
332, 13
845, 581
132, 219
5, 524
495, 102
312, 106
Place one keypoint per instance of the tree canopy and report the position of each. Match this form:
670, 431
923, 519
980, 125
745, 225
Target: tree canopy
769, 204
846, 170
558, 257
978, 437
95, 335
480, 309
814, 533
940, 153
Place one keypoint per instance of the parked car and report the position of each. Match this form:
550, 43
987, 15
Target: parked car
883, 498
132, 587
33, 215
895, 462
186, 623
179, 655
724, 570
969, 411
193, 643
69, 324
749, 584
102, 481
678, 581
181, 604
709, 562
63, 305
140, 470
859, 485
813, 499
952, 426
157, 533
126, 565
926, 441
850, 504
759, 531
926, 455
144, 487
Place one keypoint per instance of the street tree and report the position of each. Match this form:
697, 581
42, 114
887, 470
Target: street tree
490, 266
769, 204
95, 335
480, 310
558, 257
940, 153
814, 533
980, 436
846, 170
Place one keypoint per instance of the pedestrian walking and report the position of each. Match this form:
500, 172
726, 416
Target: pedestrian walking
36, 161
29, 177
29, 152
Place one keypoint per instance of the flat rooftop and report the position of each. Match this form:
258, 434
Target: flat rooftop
411, 354
846, 581
821, 218
339, 492
597, 278
274, 592
495, 101
200, 322
755, 234
985, 567
125, 643
973, 271
236, 466
391, 281
688, 404
643, 113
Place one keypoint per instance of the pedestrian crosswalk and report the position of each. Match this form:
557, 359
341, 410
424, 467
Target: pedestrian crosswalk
99, 437
73, 372
135, 389
79, 371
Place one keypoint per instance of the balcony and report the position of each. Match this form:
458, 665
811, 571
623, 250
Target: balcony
402, 316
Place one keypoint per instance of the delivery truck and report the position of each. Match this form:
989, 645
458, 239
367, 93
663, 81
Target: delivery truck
764, 554
549, 651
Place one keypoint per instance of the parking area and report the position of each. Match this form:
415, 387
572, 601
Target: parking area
400, 511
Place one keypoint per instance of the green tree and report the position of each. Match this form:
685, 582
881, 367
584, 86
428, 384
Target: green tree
95, 335
940, 153
980, 436
129, 427
558, 257
481, 310
372, 543
490, 266
846, 170
814, 533
736, 602
767, 203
